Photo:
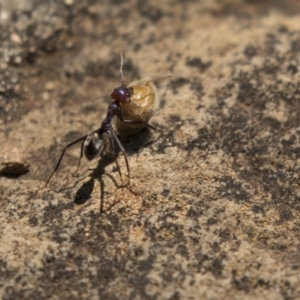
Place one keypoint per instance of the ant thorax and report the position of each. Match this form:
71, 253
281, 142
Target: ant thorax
141, 107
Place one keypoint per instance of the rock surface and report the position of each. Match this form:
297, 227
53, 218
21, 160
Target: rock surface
216, 209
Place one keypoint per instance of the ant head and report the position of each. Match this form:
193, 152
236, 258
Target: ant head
122, 94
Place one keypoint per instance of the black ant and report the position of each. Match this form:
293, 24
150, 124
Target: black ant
104, 138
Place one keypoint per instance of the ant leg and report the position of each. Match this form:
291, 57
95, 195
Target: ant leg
80, 157
116, 160
151, 126
139, 122
62, 155
120, 174
123, 152
126, 161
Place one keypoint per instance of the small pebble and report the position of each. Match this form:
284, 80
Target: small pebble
12, 161
17, 60
49, 86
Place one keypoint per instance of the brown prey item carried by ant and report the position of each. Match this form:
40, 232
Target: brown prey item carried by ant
140, 105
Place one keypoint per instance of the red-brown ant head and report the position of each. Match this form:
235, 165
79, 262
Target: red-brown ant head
122, 94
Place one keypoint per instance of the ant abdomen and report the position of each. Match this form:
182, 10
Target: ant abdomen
92, 145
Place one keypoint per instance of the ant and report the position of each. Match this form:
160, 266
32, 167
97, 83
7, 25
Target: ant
103, 139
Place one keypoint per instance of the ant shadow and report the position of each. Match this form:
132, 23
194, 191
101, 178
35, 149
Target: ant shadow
83, 194
132, 143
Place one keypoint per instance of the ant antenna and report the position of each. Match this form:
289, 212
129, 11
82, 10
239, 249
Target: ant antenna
121, 67
155, 78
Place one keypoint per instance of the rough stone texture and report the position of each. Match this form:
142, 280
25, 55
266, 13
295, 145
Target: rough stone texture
216, 214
